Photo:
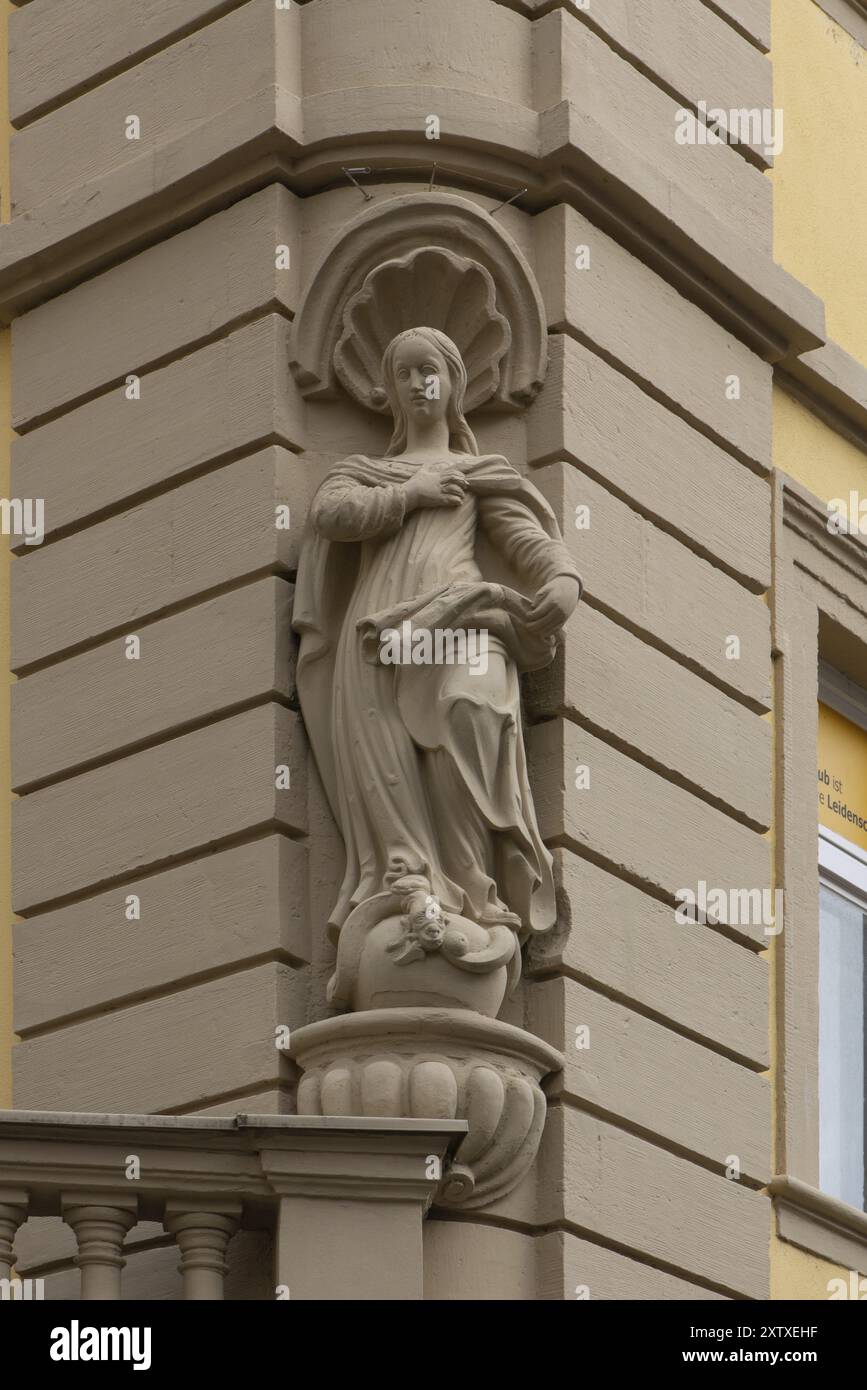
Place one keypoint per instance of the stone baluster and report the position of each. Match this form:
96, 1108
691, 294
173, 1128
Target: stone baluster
13, 1213
100, 1228
202, 1229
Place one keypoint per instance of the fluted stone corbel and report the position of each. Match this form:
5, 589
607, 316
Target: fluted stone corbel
14, 1202
203, 1231
100, 1229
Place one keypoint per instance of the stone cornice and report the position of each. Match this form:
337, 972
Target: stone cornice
253, 1159
492, 147
748, 293
807, 514
834, 558
833, 385
817, 1222
851, 15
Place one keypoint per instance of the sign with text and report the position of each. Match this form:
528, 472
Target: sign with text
842, 776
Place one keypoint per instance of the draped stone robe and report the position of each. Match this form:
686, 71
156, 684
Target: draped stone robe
424, 766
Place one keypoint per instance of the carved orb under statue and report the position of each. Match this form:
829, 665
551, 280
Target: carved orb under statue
421, 956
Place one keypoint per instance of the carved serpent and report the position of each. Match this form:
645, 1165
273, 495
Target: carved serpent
427, 929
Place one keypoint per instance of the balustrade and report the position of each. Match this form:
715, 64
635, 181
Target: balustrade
206, 1177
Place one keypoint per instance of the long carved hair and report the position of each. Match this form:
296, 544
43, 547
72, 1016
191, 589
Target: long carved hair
461, 437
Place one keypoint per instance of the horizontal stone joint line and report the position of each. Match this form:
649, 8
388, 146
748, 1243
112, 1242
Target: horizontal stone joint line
126, 504
690, 663
143, 621
656, 1140
214, 717
730, 20
652, 890
68, 1266
662, 523
587, 18
119, 1003
641, 1257
542, 974
158, 866
694, 421
263, 1084
261, 164
667, 773
144, 369
99, 79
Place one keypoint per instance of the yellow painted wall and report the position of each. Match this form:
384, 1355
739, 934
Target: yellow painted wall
809, 451
820, 235
795, 1274
820, 204
6, 1034
843, 762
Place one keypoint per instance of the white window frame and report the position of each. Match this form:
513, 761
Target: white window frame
843, 695
843, 867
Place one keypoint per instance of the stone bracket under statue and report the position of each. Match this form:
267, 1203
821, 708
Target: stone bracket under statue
425, 771
428, 1063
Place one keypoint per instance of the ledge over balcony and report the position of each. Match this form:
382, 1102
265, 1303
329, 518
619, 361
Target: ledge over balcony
204, 1177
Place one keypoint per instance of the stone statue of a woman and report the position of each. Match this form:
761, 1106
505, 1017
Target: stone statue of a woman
424, 764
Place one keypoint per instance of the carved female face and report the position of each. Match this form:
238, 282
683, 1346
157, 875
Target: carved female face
422, 380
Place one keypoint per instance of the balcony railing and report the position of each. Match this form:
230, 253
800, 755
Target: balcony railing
204, 1178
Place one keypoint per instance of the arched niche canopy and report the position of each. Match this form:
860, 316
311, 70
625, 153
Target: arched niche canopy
431, 259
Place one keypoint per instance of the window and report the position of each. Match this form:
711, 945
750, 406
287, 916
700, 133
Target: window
842, 940
843, 929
